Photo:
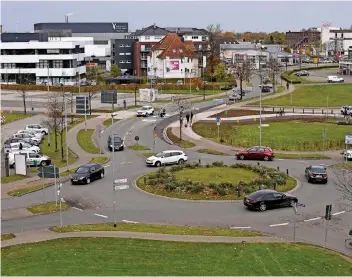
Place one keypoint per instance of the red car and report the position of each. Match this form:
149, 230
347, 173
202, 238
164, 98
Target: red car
256, 153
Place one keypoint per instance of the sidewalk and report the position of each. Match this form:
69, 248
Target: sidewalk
45, 234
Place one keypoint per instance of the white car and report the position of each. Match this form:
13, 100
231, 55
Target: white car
167, 157
348, 110
15, 147
145, 111
37, 128
38, 135
31, 159
335, 79
33, 138
347, 155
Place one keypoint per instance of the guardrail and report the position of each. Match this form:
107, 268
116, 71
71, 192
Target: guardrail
301, 110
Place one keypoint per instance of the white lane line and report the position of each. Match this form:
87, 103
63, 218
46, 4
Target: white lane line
128, 221
101, 215
107, 165
126, 162
303, 162
279, 159
280, 224
78, 209
342, 212
130, 129
312, 219
245, 227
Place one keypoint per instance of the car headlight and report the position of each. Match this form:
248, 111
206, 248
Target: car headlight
81, 178
110, 145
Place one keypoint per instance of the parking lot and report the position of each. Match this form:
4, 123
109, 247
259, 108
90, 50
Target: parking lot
322, 75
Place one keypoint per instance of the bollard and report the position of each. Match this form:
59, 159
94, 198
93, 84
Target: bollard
313, 111
200, 162
145, 180
273, 109
274, 186
287, 172
332, 111
278, 168
238, 189
293, 110
303, 110
322, 111
258, 163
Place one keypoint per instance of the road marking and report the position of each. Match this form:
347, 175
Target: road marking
279, 159
128, 221
106, 165
101, 215
246, 227
130, 129
312, 219
303, 162
342, 212
280, 224
149, 120
78, 209
126, 162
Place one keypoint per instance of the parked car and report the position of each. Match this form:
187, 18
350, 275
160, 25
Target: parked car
347, 155
179, 82
302, 73
14, 140
37, 128
167, 157
38, 135
234, 97
87, 173
32, 159
266, 198
145, 111
335, 79
316, 173
115, 143
265, 88
25, 146
348, 110
256, 153
35, 140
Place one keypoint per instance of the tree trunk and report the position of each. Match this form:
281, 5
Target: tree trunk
90, 105
71, 108
55, 131
24, 102
62, 145
241, 88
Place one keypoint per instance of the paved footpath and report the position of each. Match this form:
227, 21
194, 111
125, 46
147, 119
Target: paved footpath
45, 234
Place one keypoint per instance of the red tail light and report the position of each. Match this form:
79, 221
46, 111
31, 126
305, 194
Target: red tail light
251, 201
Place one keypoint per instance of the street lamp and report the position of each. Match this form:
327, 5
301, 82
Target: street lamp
66, 141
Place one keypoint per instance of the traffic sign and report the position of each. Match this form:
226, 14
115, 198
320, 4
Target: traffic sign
49, 171
218, 119
136, 138
328, 211
120, 181
218, 123
121, 187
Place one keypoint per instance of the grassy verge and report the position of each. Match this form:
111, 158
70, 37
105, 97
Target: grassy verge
212, 152
11, 178
148, 154
85, 141
176, 140
344, 165
236, 113
7, 236
11, 117
107, 122
301, 156
138, 147
157, 229
23, 191
279, 135
115, 109
314, 96
47, 208
98, 257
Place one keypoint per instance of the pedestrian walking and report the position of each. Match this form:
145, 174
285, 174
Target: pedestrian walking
287, 85
191, 117
124, 104
187, 118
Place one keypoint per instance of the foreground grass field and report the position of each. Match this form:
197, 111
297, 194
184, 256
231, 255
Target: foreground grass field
314, 96
294, 135
123, 257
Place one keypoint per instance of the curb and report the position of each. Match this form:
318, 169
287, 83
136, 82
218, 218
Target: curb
134, 184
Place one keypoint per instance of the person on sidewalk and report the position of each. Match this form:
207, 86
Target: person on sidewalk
287, 85
187, 119
191, 118
124, 104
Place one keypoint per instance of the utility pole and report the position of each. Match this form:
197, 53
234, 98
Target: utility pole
113, 158
66, 134
260, 103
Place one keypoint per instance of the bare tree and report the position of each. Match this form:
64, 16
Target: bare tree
243, 72
343, 183
274, 69
181, 106
90, 94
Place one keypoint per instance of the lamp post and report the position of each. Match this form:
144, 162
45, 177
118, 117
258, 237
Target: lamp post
260, 101
66, 141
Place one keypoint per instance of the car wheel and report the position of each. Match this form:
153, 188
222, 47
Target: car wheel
158, 164
242, 157
262, 207
266, 158
101, 175
181, 161
43, 163
88, 180
292, 203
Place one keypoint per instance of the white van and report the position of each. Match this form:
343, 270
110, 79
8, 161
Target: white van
31, 159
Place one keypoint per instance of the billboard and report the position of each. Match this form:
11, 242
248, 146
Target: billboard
108, 96
174, 65
348, 138
20, 164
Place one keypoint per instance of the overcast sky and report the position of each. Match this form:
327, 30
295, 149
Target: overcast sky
238, 16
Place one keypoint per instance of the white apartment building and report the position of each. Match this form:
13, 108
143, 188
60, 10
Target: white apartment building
32, 58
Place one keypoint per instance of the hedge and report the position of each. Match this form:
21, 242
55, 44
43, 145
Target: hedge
286, 75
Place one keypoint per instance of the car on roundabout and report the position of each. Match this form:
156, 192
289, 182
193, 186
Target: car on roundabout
302, 73
167, 157
269, 199
115, 143
256, 153
145, 111
335, 79
316, 174
87, 173
347, 155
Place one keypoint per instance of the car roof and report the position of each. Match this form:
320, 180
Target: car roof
171, 151
89, 165
317, 166
261, 192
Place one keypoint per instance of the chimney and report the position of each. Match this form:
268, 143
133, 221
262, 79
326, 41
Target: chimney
154, 26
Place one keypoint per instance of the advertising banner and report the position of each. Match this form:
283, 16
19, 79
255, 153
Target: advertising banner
174, 65
348, 138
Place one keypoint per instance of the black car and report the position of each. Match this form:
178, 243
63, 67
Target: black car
302, 73
118, 143
265, 89
87, 173
266, 198
316, 173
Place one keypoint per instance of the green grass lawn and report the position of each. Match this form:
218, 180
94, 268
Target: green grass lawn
148, 154
176, 140
212, 152
108, 122
138, 147
314, 96
158, 229
11, 117
100, 160
47, 208
294, 135
23, 191
124, 257
7, 236
301, 156
85, 141
11, 178
344, 165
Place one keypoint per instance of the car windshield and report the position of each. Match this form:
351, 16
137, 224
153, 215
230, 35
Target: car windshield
116, 139
144, 108
318, 170
82, 170
160, 154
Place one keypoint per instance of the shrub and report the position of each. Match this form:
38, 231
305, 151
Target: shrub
218, 164
195, 188
219, 190
226, 185
170, 186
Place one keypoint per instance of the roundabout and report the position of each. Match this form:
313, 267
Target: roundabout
215, 181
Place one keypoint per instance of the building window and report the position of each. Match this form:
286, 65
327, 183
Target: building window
128, 61
53, 51
128, 45
101, 42
147, 37
121, 45
128, 54
57, 64
121, 61
43, 64
121, 54
158, 38
194, 37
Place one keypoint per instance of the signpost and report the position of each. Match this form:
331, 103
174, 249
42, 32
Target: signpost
155, 132
328, 215
324, 136
118, 185
218, 120
61, 199
348, 141
294, 218
50, 171
100, 131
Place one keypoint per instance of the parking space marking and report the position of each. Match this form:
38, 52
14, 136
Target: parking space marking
312, 219
280, 224
245, 227
101, 215
342, 212
129, 221
78, 209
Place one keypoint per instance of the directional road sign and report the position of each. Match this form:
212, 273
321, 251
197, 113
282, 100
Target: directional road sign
48, 171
